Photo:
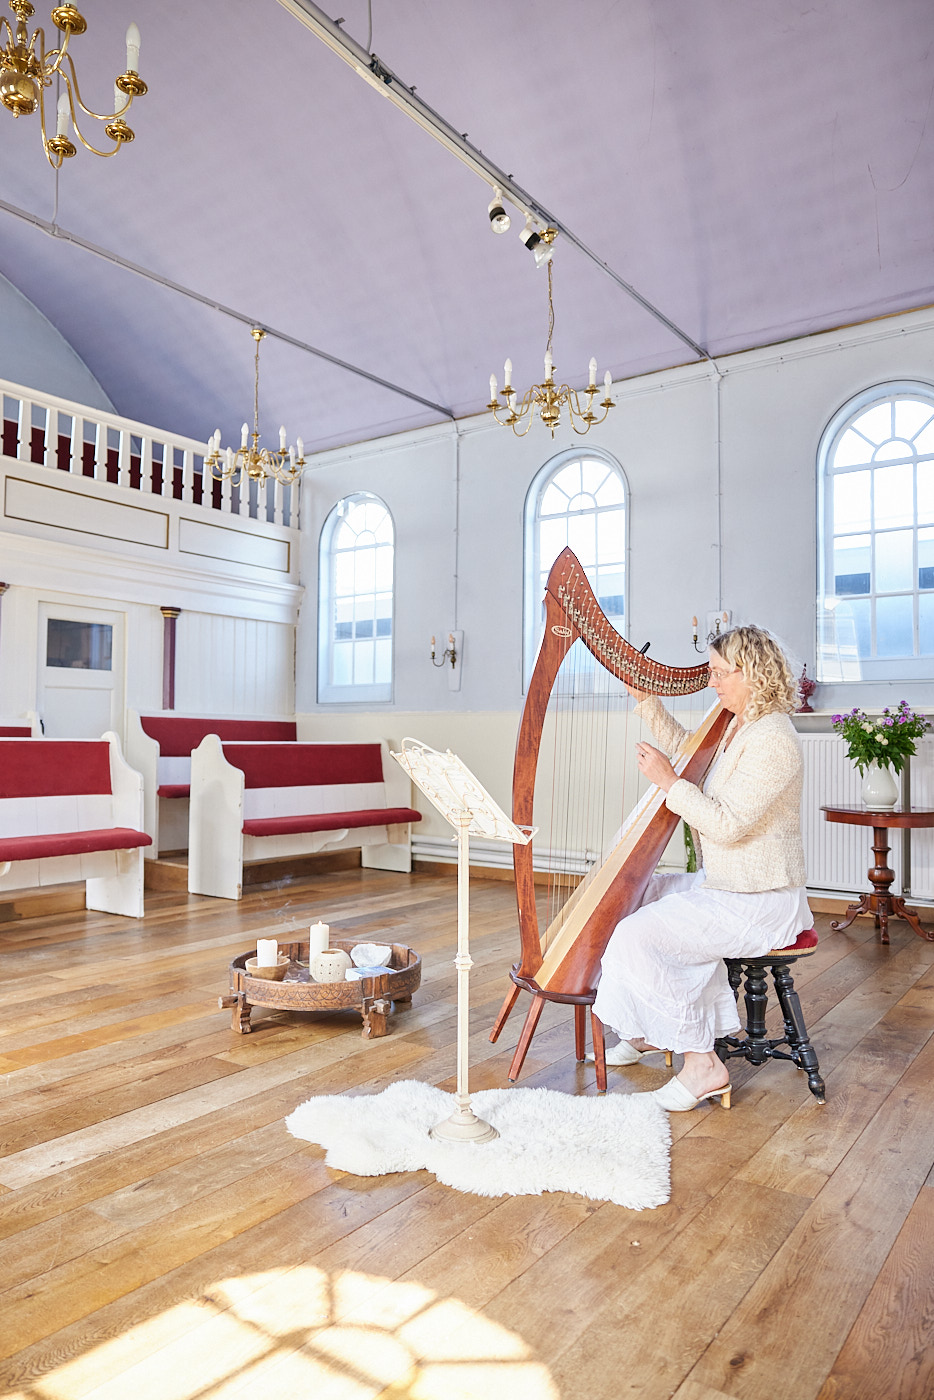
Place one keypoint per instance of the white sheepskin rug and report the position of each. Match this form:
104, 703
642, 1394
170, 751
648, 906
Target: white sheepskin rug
612, 1148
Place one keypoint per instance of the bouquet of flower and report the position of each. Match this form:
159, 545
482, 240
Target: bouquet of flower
888, 740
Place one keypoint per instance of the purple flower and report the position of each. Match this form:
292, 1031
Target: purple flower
837, 719
889, 722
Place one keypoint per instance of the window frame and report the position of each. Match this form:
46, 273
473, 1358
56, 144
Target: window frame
330, 693
532, 570
871, 668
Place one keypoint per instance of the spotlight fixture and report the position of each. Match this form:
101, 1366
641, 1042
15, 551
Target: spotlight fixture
548, 398
499, 219
538, 244
27, 69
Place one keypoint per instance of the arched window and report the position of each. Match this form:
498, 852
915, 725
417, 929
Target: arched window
876, 605
355, 597
577, 499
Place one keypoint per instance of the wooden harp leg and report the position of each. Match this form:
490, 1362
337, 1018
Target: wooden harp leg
599, 1051
503, 1016
525, 1039
580, 1031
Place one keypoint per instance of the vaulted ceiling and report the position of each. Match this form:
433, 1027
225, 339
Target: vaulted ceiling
757, 169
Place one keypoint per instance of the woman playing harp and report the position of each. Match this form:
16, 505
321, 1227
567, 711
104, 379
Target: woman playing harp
663, 981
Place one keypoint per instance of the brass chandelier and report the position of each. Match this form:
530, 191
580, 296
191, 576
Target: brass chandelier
250, 460
24, 76
548, 398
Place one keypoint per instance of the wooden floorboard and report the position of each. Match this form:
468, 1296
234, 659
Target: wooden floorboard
162, 1236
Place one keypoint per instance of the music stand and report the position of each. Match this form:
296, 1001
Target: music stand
466, 805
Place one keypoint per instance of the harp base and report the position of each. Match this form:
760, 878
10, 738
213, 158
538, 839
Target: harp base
463, 1126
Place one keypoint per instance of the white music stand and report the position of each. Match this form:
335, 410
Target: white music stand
465, 804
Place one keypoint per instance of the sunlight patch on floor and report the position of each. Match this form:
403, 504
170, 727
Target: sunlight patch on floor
340, 1335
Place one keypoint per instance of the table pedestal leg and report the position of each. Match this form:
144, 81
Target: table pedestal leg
881, 903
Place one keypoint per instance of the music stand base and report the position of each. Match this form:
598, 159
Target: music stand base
463, 1126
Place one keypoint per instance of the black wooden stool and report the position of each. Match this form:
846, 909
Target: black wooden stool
754, 1046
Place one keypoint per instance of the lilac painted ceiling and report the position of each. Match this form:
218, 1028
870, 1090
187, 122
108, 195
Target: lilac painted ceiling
758, 169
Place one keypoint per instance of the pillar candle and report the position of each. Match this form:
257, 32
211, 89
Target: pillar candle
318, 936
267, 952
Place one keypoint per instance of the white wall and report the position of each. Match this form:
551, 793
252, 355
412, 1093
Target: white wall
34, 353
720, 462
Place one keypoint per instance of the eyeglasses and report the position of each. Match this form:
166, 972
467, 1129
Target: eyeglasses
717, 675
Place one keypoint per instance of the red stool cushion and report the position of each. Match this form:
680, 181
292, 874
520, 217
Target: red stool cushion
806, 942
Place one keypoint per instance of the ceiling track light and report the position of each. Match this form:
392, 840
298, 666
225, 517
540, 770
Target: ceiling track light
538, 244
500, 221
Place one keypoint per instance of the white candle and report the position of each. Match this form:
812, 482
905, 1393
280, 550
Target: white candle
281, 439
132, 48
493, 389
318, 936
63, 114
549, 364
267, 952
607, 383
230, 459
507, 376
301, 448
243, 435
593, 372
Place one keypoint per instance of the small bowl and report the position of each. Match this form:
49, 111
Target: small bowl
269, 974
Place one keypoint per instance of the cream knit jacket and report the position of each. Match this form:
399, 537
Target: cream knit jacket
749, 819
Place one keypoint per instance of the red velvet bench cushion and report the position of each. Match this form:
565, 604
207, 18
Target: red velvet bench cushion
177, 735
174, 790
330, 821
71, 843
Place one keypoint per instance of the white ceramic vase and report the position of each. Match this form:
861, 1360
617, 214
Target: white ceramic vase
880, 788
330, 965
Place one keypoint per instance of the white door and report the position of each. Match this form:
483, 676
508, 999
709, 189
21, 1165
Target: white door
81, 665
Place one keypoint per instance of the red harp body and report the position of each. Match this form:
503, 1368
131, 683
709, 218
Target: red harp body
562, 963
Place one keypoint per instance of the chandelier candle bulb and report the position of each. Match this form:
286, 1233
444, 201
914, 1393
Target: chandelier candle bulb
507, 377
132, 48
549, 365
61, 123
607, 383
318, 937
267, 952
593, 374
493, 391
301, 449
244, 433
281, 438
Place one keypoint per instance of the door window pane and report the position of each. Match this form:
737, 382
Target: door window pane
79, 646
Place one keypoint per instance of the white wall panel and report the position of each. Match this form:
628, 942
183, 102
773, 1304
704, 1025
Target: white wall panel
233, 666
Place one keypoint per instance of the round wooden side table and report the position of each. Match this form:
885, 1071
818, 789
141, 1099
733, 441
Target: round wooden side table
881, 902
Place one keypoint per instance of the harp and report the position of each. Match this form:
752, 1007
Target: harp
563, 962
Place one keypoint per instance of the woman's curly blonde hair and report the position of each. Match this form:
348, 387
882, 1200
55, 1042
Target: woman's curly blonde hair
772, 685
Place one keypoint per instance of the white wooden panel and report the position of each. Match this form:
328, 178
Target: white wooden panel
301, 801
233, 666
18, 816
90, 515
173, 769
922, 842
237, 546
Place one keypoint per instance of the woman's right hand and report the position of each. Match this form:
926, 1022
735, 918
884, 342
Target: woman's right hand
637, 694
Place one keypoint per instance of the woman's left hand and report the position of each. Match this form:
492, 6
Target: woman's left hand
654, 764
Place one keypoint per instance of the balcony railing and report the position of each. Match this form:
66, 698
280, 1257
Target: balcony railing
46, 431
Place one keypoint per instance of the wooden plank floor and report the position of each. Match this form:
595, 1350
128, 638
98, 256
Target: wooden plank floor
163, 1238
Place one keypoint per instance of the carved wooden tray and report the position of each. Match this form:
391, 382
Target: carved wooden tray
372, 996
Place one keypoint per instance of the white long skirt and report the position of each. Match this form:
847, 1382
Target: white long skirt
663, 976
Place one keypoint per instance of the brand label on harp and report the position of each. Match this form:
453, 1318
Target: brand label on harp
562, 631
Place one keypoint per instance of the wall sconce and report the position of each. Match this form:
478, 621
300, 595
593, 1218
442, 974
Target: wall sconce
449, 653
454, 653
717, 622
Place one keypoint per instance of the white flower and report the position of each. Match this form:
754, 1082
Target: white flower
883, 741
868, 728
